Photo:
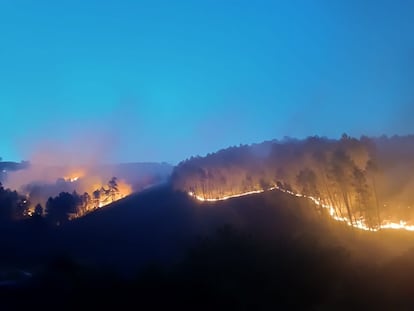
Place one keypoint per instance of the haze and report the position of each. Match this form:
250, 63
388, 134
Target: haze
163, 80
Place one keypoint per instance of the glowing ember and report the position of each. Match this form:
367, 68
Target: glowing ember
359, 223
74, 176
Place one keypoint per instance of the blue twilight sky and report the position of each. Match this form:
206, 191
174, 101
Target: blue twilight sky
164, 80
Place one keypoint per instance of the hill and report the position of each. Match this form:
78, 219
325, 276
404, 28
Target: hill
160, 225
367, 181
252, 252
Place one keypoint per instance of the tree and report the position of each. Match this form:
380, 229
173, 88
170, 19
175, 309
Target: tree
372, 170
85, 203
96, 197
307, 180
38, 211
113, 187
22, 208
59, 209
362, 196
10, 204
341, 165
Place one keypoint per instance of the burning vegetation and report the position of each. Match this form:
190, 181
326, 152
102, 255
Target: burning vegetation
68, 206
67, 191
361, 182
61, 201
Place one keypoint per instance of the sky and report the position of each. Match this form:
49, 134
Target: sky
165, 80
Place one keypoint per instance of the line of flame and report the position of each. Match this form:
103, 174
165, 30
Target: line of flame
359, 223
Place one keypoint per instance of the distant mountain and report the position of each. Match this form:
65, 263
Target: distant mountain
13, 166
8, 166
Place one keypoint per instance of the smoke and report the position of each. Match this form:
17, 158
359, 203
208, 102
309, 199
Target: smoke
66, 145
51, 160
82, 152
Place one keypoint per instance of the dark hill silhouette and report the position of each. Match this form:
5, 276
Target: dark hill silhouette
159, 224
271, 250
255, 252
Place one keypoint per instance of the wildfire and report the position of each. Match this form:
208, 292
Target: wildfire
74, 175
200, 198
359, 223
92, 191
103, 195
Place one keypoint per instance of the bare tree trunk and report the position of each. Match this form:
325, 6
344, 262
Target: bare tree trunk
348, 207
376, 202
330, 197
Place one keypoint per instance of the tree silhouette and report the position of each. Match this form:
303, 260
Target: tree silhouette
96, 197
372, 171
85, 203
12, 205
113, 187
341, 166
59, 209
38, 211
307, 179
362, 196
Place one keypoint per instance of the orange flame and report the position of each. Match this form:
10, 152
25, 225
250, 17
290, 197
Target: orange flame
359, 224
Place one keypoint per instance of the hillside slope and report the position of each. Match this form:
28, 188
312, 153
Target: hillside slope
256, 251
161, 224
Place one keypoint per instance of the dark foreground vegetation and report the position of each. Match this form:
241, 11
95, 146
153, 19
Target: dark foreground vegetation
230, 271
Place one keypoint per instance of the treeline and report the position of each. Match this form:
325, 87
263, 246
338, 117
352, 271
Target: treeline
68, 206
355, 176
12, 205
58, 209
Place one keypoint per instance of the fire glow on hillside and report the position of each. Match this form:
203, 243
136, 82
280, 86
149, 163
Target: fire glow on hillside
88, 192
359, 223
100, 195
71, 179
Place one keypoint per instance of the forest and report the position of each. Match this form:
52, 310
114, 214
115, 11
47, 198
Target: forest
365, 179
57, 209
